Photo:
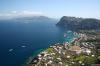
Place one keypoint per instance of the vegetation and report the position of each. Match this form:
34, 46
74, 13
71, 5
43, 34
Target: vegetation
74, 23
54, 57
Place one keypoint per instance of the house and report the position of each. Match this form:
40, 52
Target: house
76, 49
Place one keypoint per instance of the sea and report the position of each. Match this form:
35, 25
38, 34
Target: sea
20, 40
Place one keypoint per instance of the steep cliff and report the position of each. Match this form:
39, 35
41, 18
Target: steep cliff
78, 23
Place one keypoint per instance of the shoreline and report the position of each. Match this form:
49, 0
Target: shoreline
60, 48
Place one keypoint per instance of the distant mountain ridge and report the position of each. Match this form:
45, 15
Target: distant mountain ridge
74, 23
29, 19
35, 19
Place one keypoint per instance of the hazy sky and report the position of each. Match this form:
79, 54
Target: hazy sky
51, 8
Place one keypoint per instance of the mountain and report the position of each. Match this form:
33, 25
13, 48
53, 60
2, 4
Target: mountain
74, 23
30, 19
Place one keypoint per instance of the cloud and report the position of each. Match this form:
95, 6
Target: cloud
20, 13
30, 13
14, 12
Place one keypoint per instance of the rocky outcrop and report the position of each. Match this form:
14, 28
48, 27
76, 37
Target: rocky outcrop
74, 23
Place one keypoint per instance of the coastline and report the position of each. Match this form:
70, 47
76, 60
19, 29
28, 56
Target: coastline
32, 56
57, 50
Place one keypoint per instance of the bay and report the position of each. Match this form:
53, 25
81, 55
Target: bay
19, 40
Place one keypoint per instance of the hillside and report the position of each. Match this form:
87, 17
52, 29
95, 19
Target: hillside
74, 23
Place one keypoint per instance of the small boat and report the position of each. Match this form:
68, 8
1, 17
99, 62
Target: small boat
23, 46
65, 35
10, 50
69, 31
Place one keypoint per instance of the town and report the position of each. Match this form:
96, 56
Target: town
78, 52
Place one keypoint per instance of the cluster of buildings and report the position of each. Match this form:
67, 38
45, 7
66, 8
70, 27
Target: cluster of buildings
55, 55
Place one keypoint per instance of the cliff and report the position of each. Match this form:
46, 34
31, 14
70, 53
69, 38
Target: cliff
74, 23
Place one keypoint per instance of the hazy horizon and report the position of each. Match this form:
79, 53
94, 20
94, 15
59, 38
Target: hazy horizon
50, 8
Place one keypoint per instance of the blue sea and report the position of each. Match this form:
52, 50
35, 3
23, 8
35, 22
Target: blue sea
19, 40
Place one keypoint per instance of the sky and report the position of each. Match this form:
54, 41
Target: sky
51, 8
